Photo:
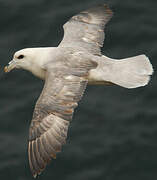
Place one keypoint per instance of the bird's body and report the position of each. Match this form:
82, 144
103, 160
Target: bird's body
67, 69
105, 71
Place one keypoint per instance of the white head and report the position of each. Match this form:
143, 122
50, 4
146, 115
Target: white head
31, 59
24, 59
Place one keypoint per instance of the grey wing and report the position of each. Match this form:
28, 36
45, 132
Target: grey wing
53, 111
86, 30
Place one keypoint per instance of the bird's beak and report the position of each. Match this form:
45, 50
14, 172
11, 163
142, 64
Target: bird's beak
11, 66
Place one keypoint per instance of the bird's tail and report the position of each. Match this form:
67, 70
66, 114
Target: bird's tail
129, 73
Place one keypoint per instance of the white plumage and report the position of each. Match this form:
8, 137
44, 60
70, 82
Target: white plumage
66, 70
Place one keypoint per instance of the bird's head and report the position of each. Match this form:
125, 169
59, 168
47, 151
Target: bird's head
21, 59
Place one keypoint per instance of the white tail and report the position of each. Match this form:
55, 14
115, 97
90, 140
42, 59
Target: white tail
129, 73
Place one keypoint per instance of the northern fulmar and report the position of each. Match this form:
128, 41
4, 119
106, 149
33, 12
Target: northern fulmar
67, 69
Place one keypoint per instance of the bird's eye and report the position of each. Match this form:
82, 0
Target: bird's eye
20, 57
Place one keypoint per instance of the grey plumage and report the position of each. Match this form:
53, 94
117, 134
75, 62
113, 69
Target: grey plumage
64, 87
67, 69
85, 31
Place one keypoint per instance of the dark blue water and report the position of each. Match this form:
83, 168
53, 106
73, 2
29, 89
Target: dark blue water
114, 130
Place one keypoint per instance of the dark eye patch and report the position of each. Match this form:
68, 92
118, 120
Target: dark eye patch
20, 57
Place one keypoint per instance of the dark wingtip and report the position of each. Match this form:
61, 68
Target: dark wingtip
37, 173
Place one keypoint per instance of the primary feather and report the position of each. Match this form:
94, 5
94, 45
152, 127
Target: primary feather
66, 70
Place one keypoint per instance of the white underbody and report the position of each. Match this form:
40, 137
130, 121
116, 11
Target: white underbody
129, 73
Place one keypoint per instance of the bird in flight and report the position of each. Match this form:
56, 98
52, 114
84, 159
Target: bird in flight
67, 69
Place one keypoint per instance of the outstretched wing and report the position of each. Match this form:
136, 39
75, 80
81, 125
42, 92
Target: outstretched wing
86, 30
63, 88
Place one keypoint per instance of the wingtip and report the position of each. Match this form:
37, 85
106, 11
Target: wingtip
34, 175
37, 173
102, 7
108, 10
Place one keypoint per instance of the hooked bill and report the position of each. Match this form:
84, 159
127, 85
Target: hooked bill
11, 65
6, 69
